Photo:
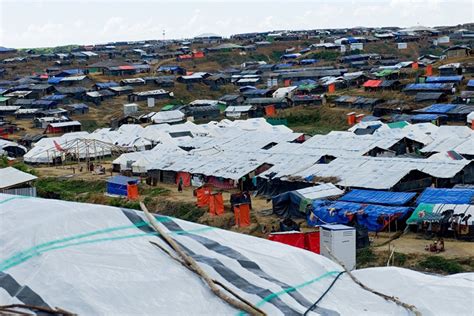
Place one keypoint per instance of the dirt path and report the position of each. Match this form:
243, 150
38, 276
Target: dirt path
413, 244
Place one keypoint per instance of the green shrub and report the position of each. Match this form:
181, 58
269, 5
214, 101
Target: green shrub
365, 256
441, 264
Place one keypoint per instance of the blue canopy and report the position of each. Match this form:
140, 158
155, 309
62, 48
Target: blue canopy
105, 85
54, 97
470, 83
444, 79
378, 197
438, 108
426, 117
117, 185
55, 80
374, 217
427, 86
308, 61
446, 196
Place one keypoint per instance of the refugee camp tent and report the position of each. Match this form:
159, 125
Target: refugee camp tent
378, 197
16, 182
374, 217
79, 249
424, 212
118, 185
294, 203
446, 196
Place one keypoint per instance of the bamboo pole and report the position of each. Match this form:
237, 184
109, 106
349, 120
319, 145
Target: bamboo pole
193, 266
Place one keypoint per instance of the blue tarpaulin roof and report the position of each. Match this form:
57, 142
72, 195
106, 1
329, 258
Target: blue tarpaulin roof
444, 79
470, 83
438, 108
378, 197
425, 117
54, 97
427, 86
308, 61
55, 80
105, 85
374, 217
446, 196
123, 180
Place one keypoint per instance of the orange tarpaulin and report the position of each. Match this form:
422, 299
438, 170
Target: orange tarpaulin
287, 82
132, 191
216, 204
270, 110
429, 70
372, 83
202, 196
186, 178
351, 118
414, 65
332, 88
242, 214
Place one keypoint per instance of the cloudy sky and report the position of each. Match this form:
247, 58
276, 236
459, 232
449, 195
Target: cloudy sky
43, 23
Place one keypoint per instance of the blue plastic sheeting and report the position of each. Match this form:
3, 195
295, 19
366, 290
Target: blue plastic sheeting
444, 79
290, 56
55, 80
446, 196
54, 97
470, 83
427, 86
374, 217
308, 61
378, 197
425, 117
117, 185
438, 108
106, 85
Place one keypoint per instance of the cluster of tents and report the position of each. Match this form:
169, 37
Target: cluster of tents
382, 210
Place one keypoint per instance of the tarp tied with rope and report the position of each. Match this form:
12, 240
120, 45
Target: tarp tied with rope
93, 259
374, 217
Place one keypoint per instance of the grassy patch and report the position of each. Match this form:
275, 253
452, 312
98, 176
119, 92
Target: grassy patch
185, 211
326, 55
365, 257
68, 189
440, 264
153, 191
314, 120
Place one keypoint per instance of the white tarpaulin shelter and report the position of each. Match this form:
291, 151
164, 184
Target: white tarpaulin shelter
95, 260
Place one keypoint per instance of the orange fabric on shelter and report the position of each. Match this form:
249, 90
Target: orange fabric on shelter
332, 88
202, 196
186, 178
216, 204
198, 54
351, 118
242, 215
270, 110
429, 70
287, 82
372, 83
132, 191
414, 65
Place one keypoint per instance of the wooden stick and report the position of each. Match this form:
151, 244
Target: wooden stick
225, 287
252, 310
411, 308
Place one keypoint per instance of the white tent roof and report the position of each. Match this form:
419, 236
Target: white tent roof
10, 177
93, 259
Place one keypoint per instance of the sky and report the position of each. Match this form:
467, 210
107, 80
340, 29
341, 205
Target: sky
46, 23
